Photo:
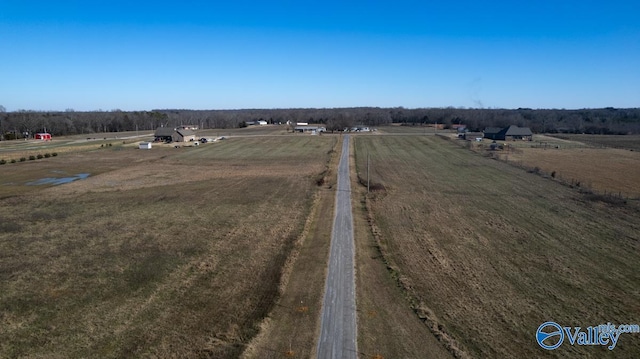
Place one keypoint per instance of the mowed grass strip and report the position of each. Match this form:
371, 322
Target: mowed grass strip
487, 252
163, 253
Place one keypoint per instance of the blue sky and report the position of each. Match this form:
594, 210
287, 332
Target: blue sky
142, 55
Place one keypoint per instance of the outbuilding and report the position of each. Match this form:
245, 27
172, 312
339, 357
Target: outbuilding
43, 136
167, 134
144, 145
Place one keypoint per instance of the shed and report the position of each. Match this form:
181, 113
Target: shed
43, 136
144, 145
183, 135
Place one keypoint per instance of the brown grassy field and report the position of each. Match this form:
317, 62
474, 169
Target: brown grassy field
486, 252
291, 328
161, 253
630, 142
604, 170
387, 326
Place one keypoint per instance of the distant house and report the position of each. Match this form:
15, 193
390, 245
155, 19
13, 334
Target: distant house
360, 128
43, 136
164, 134
311, 129
459, 128
144, 145
508, 133
261, 122
493, 133
167, 134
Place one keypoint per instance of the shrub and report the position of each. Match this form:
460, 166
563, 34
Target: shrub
32, 158
40, 156
47, 155
13, 160
22, 159
54, 154
2, 162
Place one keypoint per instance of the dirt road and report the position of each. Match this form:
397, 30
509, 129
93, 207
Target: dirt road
338, 329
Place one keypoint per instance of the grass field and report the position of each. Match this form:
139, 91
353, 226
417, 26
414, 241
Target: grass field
612, 170
290, 331
630, 142
161, 253
486, 252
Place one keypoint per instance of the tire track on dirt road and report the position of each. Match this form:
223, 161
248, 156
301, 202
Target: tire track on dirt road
338, 330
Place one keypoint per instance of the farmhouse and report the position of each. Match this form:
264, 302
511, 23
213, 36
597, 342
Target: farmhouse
167, 134
508, 133
43, 136
492, 133
164, 134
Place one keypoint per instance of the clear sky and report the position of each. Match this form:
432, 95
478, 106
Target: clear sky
142, 55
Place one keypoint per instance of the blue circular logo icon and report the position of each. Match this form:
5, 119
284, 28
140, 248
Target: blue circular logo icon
547, 333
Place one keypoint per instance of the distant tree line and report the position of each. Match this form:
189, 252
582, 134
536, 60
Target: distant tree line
591, 121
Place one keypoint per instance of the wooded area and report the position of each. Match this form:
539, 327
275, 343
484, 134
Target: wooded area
592, 121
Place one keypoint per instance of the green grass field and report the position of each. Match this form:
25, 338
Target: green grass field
487, 252
160, 253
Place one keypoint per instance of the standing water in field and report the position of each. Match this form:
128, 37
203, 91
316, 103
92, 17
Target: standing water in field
56, 181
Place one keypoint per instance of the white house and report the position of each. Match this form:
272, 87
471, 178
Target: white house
144, 145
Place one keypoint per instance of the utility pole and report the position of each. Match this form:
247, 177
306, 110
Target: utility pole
367, 172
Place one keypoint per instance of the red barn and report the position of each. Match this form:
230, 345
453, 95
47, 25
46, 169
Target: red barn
43, 136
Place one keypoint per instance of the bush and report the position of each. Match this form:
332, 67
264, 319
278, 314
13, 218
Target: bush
13, 160
47, 155
40, 156
22, 159
32, 158
2, 162
54, 154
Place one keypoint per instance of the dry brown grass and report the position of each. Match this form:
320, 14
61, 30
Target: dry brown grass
161, 253
292, 326
387, 326
486, 252
605, 170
